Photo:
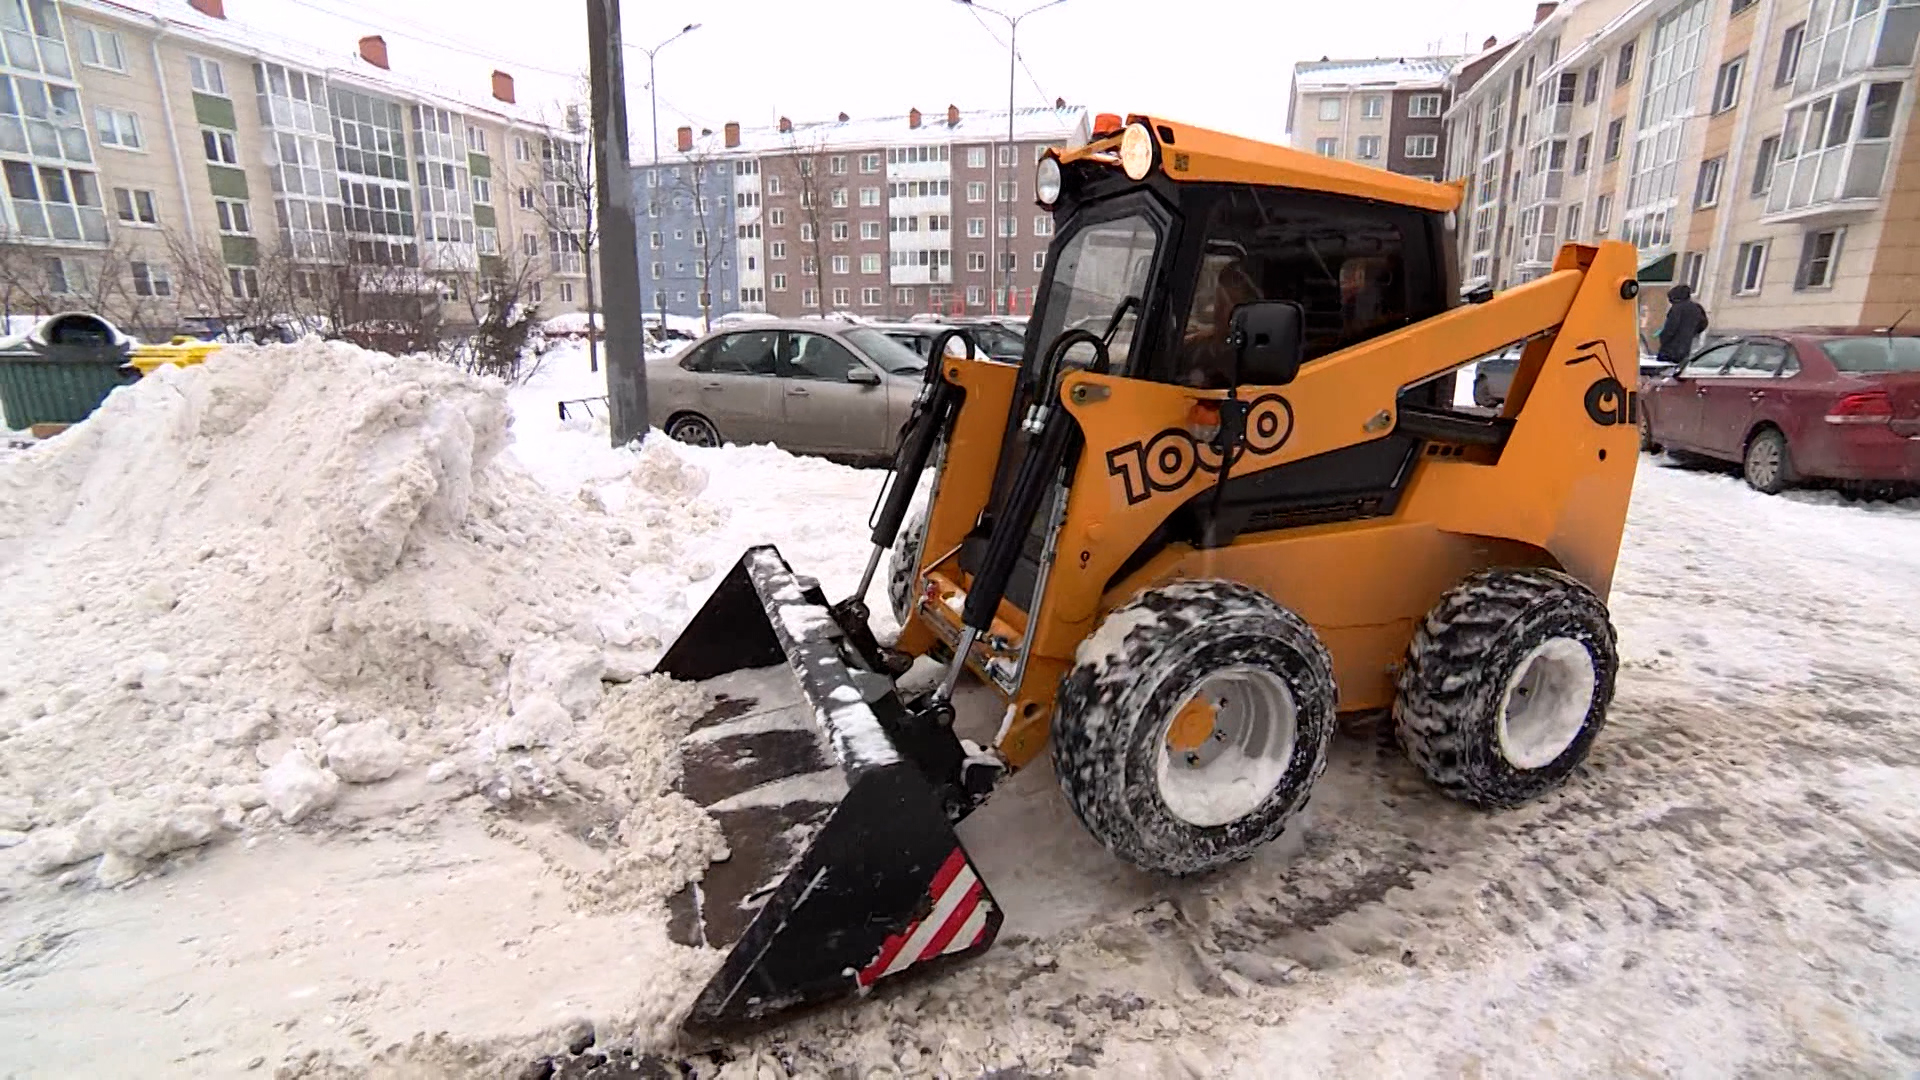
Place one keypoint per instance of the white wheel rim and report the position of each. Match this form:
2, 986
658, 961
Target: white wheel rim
1546, 703
1238, 766
693, 433
1763, 462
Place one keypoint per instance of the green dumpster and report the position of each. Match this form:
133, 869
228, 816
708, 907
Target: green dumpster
60, 371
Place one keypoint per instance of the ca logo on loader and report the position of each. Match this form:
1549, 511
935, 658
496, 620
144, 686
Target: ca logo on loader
1168, 460
1608, 402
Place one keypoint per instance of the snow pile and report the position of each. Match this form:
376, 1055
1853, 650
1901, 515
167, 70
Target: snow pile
243, 589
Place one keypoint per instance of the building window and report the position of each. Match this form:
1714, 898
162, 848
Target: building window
243, 282
680, 296
1615, 130
1594, 75
1763, 165
903, 297
1367, 148
776, 218
521, 150
837, 165
842, 264
659, 270
219, 147
976, 157
1742, 5
1423, 106
869, 230
869, 196
976, 261
841, 297
529, 244
1009, 191
1602, 215
525, 197
476, 139
486, 240
234, 217
1426, 146
777, 249
1623, 65
1039, 261
117, 127
150, 279
1819, 251
840, 231
1329, 108
1837, 146
207, 76
1749, 268
779, 283
838, 198
869, 163
1043, 225
1692, 265
976, 192
1573, 222
870, 297
1373, 107
773, 185
566, 292
806, 232
1326, 147
482, 190
135, 206
869, 264
1706, 190
1726, 85
806, 166
976, 295
1789, 54
1582, 153
99, 48
1006, 157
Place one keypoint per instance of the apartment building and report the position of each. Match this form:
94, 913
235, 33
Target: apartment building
159, 162
1380, 112
887, 217
1757, 150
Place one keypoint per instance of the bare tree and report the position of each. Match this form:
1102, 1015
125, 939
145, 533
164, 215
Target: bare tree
565, 202
118, 282
698, 186
805, 166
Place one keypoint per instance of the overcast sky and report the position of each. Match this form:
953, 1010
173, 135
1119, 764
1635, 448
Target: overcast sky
1223, 63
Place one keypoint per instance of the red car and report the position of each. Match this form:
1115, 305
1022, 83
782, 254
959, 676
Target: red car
1790, 405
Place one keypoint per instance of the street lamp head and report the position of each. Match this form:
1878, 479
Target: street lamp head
690, 28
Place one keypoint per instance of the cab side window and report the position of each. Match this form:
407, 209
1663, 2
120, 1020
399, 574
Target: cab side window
1358, 270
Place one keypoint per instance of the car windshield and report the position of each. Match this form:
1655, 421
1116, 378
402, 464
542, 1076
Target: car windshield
1099, 268
896, 358
1873, 355
997, 340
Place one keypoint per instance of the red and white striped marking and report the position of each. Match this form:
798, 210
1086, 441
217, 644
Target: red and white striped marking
958, 921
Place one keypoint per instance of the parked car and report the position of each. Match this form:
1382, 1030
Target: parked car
817, 386
1493, 375
1001, 339
1813, 403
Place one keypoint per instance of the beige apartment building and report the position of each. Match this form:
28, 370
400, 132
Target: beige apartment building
1757, 150
1381, 112
165, 164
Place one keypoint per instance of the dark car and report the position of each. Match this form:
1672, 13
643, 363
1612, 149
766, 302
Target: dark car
1493, 375
1002, 340
1825, 403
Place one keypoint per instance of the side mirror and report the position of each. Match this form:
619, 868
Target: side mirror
863, 376
1269, 341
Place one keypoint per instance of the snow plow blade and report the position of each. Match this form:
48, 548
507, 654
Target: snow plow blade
843, 866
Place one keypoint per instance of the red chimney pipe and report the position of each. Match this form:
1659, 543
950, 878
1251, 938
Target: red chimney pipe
503, 87
373, 49
1542, 10
213, 9
913, 118
732, 134
683, 140
786, 125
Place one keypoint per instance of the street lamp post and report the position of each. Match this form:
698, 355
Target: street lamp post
1013, 58
653, 90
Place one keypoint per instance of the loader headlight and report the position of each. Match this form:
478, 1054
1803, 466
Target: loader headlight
1047, 181
1136, 151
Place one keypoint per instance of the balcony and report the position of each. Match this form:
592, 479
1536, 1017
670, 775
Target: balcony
1834, 152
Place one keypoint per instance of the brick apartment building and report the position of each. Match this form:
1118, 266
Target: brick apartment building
1759, 150
1381, 112
885, 217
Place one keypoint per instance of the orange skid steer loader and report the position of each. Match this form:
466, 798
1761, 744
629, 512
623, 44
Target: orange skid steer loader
1226, 496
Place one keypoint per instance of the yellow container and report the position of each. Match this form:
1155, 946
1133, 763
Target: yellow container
181, 351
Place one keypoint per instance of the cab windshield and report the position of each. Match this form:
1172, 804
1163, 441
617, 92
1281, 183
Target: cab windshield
1102, 266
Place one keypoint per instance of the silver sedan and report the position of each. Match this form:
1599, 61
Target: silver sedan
805, 385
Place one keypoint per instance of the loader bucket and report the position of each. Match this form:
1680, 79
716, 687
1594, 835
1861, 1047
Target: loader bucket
843, 867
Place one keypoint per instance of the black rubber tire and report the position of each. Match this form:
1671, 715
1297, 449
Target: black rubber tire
1453, 684
903, 562
1782, 478
680, 427
1108, 726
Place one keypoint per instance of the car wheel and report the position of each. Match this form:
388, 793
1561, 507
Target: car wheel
1768, 465
1647, 444
693, 429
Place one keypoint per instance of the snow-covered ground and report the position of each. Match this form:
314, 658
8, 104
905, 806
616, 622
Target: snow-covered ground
333, 565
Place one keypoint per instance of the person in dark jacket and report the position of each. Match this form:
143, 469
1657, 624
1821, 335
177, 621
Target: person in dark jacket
1686, 321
